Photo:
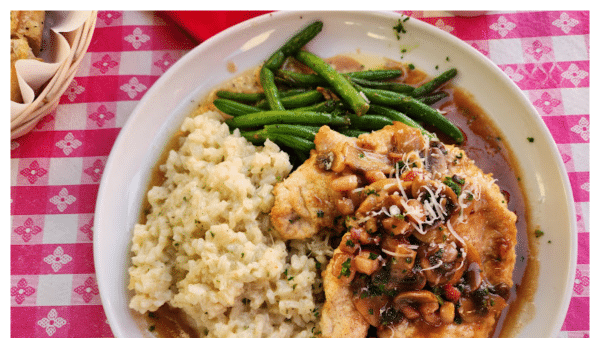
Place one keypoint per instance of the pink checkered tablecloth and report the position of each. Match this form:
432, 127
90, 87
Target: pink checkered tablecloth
56, 169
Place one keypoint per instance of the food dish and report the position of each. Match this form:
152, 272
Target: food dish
112, 218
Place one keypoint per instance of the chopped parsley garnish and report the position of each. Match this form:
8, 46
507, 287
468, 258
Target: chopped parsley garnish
539, 233
320, 213
346, 268
453, 185
373, 256
399, 28
350, 243
530, 139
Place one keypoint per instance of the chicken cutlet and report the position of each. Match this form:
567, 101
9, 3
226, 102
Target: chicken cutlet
428, 243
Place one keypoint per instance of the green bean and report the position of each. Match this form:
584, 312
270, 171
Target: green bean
255, 97
235, 108
397, 87
299, 79
255, 136
340, 83
303, 131
415, 109
369, 121
306, 80
432, 98
295, 101
323, 107
286, 117
398, 116
267, 80
293, 142
376, 74
293, 45
435, 83
425, 113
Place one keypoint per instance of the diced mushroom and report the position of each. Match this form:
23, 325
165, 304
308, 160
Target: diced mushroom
367, 262
447, 312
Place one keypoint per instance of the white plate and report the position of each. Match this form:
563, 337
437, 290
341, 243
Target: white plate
173, 96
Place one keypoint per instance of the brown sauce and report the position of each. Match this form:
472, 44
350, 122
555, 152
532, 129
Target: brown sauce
483, 143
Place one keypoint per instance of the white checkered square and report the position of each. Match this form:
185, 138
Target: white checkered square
54, 290
584, 210
506, 51
136, 63
132, 18
581, 156
570, 48
124, 110
14, 171
70, 116
60, 229
65, 171
576, 101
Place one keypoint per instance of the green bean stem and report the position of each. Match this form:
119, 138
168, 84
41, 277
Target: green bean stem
235, 108
267, 81
296, 101
340, 83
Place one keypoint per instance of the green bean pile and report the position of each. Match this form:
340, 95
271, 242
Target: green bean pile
292, 106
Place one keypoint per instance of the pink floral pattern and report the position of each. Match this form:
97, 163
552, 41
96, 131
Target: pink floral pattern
51, 322
503, 26
63, 199
565, 23
105, 64
109, 16
581, 282
57, 259
574, 74
28, 230
137, 38
537, 49
88, 229
101, 116
33, 172
68, 144
133, 87
165, 62
73, 90
95, 171
21, 291
88, 290
546, 102
582, 128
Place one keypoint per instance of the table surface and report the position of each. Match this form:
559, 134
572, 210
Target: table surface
56, 168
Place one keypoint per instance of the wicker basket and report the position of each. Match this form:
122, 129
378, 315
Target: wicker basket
48, 99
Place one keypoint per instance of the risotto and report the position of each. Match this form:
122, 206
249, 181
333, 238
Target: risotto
207, 246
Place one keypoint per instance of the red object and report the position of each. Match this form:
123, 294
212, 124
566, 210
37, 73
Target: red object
201, 25
451, 292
